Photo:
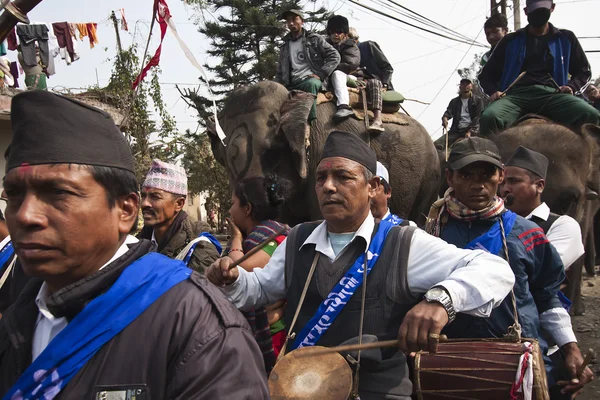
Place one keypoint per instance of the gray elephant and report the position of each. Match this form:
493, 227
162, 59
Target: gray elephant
267, 131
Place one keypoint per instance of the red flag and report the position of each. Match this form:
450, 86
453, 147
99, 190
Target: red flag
162, 12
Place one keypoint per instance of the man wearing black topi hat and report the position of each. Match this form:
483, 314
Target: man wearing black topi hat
472, 216
102, 316
305, 59
337, 29
328, 261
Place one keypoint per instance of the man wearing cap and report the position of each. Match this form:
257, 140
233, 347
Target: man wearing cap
472, 216
103, 316
379, 203
464, 111
555, 68
327, 260
337, 29
169, 228
524, 182
305, 58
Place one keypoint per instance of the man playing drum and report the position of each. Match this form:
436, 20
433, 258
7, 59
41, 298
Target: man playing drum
472, 216
328, 308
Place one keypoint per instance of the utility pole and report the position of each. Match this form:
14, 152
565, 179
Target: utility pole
116, 24
503, 7
497, 7
493, 7
517, 13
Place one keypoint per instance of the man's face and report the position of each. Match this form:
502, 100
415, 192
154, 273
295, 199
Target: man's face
160, 207
343, 193
476, 184
61, 223
337, 36
520, 192
379, 203
465, 88
494, 35
294, 23
592, 93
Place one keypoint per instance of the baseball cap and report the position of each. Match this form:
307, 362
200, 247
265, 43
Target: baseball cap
465, 80
533, 5
382, 172
474, 149
284, 14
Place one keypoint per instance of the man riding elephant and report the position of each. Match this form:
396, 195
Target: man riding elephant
305, 59
554, 66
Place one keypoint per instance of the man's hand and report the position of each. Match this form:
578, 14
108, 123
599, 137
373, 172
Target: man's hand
314, 76
496, 96
468, 134
220, 274
445, 122
421, 327
573, 363
565, 89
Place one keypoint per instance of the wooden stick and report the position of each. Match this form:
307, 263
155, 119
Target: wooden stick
366, 346
586, 361
521, 75
257, 248
446, 134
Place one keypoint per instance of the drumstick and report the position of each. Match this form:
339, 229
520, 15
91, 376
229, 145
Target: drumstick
356, 347
257, 248
586, 361
521, 75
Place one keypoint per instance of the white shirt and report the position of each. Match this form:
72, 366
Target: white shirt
476, 281
47, 325
565, 236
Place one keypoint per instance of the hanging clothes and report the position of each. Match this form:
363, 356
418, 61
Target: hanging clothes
11, 39
83, 32
29, 35
123, 20
65, 40
91, 28
3, 48
7, 79
35, 78
14, 71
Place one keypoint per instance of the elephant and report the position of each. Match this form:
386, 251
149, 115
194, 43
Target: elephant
267, 130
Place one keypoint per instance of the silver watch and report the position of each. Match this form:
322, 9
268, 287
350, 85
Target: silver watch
440, 295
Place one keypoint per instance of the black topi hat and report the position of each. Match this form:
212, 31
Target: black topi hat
350, 146
529, 160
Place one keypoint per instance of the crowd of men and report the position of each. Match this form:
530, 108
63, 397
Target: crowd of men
90, 311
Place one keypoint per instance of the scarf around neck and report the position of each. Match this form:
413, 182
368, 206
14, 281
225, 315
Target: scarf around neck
171, 231
450, 205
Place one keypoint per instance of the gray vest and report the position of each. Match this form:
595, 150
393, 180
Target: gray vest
388, 299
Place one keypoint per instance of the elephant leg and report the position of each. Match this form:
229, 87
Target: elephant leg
573, 289
590, 253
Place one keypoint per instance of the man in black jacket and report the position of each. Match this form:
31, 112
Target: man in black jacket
555, 68
337, 29
103, 316
464, 111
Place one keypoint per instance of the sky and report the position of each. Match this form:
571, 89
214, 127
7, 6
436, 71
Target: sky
425, 65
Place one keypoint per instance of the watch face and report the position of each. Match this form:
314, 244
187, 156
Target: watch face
435, 293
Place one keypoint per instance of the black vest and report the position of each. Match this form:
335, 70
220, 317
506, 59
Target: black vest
545, 225
388, 299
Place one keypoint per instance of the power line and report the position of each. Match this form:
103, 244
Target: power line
415, 26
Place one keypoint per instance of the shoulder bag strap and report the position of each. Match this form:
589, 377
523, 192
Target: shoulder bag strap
291, 334
514, 332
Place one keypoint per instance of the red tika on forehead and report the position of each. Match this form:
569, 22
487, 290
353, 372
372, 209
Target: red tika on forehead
23, 169
327, 164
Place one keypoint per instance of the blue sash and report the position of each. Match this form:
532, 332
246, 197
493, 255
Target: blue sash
331, 307
212, 239
394, 219
5, 254
491, 241
138, 287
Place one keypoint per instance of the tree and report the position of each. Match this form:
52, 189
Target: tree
139, 125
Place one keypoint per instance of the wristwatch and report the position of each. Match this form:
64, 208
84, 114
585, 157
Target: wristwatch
438, 294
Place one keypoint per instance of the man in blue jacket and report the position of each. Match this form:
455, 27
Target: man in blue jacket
472, 216
555, 67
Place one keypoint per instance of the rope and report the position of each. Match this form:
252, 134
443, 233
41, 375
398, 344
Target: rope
514, 332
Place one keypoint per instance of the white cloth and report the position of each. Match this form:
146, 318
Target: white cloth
339, 82
556, 323
47, 325
476, 281
564, 234
465, 115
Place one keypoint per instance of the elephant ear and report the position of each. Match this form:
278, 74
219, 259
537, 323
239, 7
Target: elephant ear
592, 131
216, 145
294, 125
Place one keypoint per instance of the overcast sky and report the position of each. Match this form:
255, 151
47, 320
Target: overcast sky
424, 64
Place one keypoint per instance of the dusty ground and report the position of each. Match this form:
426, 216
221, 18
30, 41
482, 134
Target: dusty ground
587, 329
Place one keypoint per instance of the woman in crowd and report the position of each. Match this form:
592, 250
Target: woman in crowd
255, 206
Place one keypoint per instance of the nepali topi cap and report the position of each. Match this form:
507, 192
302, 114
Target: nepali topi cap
474, 149
382, 172
350, 146
168, 177
530, 160
52, 129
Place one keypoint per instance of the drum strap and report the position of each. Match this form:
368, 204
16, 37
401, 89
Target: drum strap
514, 332
354, 394
291, 335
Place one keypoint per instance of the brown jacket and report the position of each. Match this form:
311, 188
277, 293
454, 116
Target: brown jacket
190, 344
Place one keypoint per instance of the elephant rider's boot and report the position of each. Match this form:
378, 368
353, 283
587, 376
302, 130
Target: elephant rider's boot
343, 111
